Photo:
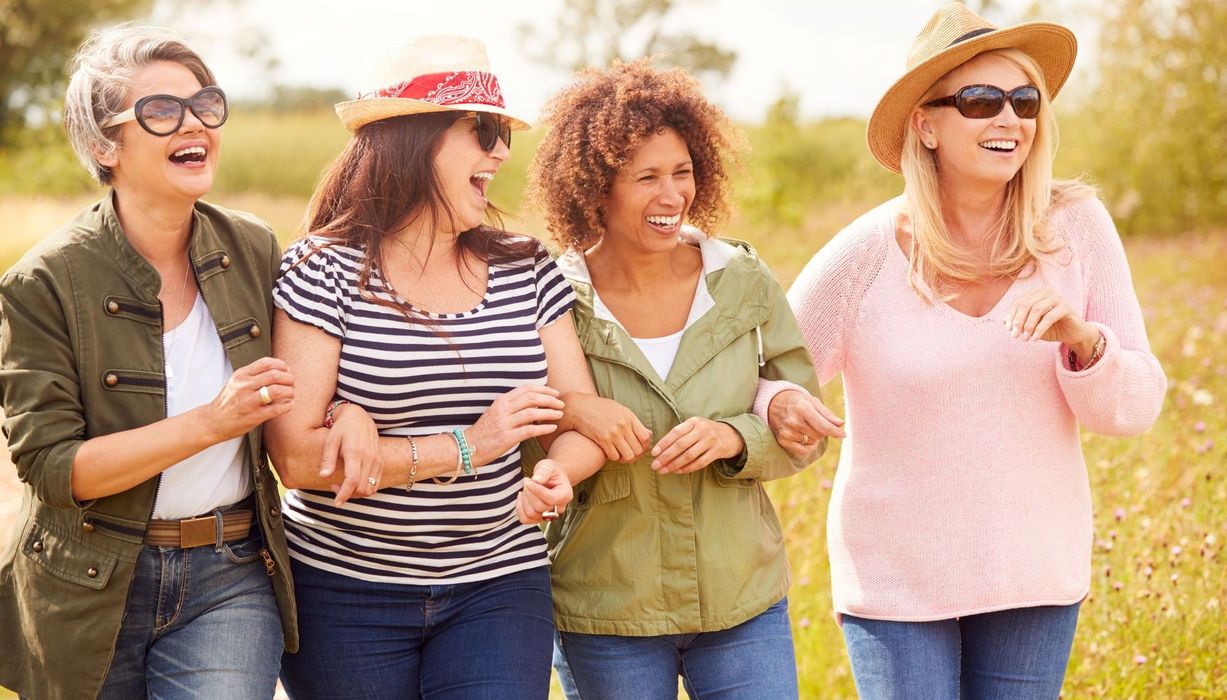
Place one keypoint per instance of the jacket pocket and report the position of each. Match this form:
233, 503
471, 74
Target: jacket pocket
607, 486
71, 560
134, 380
239, 332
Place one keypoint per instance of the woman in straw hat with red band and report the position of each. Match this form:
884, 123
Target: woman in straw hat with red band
978, 321
430, 344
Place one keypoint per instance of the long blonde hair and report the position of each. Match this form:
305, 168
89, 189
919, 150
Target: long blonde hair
1019, 236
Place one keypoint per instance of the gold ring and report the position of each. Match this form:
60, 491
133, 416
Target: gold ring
265, 398
372, 480
805, 439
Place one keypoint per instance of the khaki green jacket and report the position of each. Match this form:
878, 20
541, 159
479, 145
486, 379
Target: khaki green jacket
639, 554
81, 356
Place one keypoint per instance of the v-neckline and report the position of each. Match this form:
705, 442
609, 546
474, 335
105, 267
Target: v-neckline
993, 312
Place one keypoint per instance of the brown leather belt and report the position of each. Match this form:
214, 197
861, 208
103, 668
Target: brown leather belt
199, 531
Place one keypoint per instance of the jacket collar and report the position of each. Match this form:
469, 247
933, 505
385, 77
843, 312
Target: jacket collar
733, 283
203, 243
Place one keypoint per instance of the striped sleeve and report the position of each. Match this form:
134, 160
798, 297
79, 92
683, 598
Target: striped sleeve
312, 288
555, 296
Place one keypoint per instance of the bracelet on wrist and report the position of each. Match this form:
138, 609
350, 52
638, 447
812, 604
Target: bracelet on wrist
466, 455
1097, 351
459, 461
413, 467
329, 419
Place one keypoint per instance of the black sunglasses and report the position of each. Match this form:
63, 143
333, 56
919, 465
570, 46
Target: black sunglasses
490, 129
984, 101
162, 115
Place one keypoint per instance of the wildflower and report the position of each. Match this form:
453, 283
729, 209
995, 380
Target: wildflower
1139, 659
1200, 426
1116, 586
826, 484
1201, 397
1119, 513
803, 622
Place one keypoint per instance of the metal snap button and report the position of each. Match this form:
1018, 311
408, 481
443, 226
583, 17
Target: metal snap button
37, 546
92, 572
111, 379
225, 262
112, 307
254, 331
87, 526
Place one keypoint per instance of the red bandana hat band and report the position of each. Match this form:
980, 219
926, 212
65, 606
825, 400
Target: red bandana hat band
455, 88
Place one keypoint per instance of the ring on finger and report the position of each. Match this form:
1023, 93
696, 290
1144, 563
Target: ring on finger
372, 480
265, 397
804, 439
551, 514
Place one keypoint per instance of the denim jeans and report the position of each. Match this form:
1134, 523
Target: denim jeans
752, 660
360, 639
1006, 655
199, 623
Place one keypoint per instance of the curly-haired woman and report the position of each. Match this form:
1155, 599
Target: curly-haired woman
670, 561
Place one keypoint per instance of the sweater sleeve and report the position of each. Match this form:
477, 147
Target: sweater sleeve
785, 359
827, 293
1122, 393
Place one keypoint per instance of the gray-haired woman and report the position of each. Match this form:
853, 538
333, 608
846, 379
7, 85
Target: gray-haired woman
151, 560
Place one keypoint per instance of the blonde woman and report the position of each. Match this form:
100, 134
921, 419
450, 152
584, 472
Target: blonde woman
978, 321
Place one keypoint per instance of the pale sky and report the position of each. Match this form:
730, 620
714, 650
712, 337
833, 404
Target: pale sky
838, 56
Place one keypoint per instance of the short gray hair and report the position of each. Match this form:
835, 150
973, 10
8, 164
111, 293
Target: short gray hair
102, 75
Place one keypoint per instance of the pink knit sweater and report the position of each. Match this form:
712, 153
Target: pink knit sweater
961, 487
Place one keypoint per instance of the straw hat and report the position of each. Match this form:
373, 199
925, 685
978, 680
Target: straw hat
953, 36
433, 73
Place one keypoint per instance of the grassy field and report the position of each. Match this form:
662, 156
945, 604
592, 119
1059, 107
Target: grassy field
1154, 625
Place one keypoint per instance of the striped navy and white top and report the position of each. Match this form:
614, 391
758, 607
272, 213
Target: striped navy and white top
421, 379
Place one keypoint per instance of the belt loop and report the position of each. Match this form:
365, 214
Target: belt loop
217, 518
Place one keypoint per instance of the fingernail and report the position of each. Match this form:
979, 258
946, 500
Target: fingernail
656, 465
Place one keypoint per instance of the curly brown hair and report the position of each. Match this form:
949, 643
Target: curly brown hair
595, 127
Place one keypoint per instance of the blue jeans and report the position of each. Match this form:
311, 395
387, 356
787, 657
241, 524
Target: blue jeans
361, 639
752, 660
199, 623
1005, 655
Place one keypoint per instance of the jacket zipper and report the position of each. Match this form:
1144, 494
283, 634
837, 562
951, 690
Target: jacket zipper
270, 565
157, 489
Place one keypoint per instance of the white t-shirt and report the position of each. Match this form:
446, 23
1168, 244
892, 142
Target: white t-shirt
661, 351
196, 370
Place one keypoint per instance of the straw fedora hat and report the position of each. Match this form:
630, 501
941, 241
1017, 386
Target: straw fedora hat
433, 73
953, 36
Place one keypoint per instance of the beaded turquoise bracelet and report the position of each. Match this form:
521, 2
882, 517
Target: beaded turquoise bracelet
465, 454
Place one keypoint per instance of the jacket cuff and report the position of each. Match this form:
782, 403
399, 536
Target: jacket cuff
754, 433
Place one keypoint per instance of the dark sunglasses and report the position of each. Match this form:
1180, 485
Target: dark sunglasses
162, 115
984, 101
490, 129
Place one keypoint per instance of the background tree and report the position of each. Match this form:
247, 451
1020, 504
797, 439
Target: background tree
1153, 131
37, 38
597, 32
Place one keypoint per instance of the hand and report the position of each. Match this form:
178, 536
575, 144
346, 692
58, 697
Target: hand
694, 444
548, 490
525, 412
799, 421
354, 439
239, 406
613, 427
1043, 314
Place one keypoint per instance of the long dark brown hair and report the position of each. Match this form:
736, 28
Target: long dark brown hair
386, 177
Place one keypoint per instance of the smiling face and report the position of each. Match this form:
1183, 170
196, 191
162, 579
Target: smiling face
465, 170
175, 167
651, 195
977, 152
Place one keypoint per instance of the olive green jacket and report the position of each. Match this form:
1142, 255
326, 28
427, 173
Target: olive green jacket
81, 356
640, 554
